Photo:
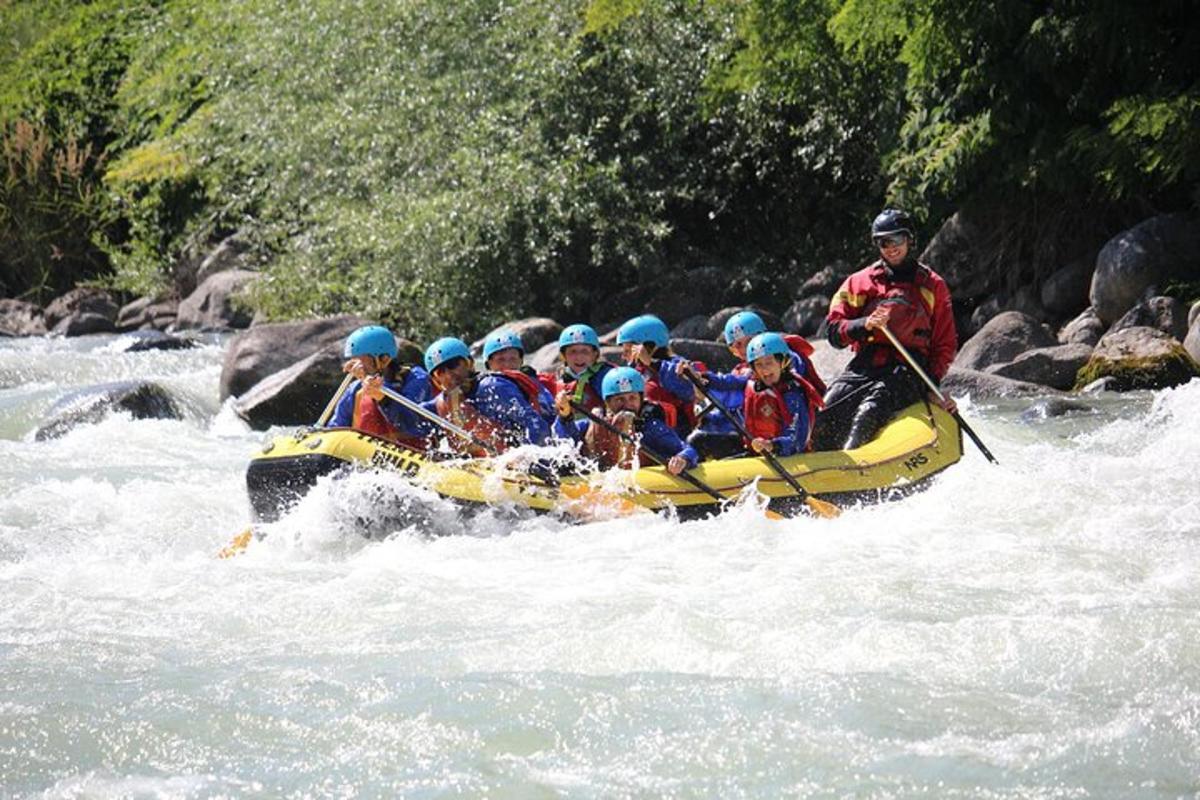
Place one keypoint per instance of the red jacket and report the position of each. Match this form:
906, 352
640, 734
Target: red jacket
924, 324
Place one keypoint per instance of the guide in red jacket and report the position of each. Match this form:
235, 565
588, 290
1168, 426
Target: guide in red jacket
914, 303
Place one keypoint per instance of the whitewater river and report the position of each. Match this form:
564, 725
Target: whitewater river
1023, 631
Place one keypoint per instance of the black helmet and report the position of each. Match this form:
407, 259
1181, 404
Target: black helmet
892, 220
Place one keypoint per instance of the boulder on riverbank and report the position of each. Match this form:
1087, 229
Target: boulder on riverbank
214, 306
1084, 329
535, 332
82, 311
1055, 367
91, 404
295, 395
144, 340
715, 355
265, 349
1166, 314
147, 313
717, 320
1192, 342
1002, 339
1065, 292
1148, 254
1138, 358
983, 385
21, 318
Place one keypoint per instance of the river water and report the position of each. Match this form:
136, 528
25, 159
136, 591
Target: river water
1022, 631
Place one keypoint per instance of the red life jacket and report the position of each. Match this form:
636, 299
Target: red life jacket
369, 418
485, 429
766, 412
674, 407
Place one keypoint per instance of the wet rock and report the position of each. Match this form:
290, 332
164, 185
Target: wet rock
982, 385
1100, 385
807, 317
1148, 254
826, 281
1065, 292
715, 355
1002, 339
674, 297
694, 327
986, 311
1191, 342
534, 332
1084, 329
1193, 314
232, 253
215, 305
1053, 407
1166, 314
716, 321
77, 303
141, 341
1139, 358
956, 252
295, 395
20, 318
92, 404
1055, 367
147, 313
83, 324
265, 349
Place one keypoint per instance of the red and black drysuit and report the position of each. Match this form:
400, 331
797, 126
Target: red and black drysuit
877, 383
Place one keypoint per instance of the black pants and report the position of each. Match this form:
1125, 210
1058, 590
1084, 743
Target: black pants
860, 402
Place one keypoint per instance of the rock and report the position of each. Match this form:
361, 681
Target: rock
82, 324
409, 352
1193, 313
1139, 358
264, 349
20, 318
81, 301
1053, 407
295, 395
956, 253
1055, 367
674, 297
1100, 385
1148, 254
715, 355
232, 253
545, 359
147, 313
830, 361
534, 332
694, 327
1065, 292
1191, 342
716, 322
986, 311
826, 281
1027, 301
1166, 314
214, 305
91, 404
1002, 339
982, 385
807, 316
1084, 329
141, 341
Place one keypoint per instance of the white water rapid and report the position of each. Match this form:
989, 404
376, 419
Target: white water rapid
1027, 630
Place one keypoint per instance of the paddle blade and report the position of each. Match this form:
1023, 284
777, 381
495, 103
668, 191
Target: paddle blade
586, 501
822, 508
238, 545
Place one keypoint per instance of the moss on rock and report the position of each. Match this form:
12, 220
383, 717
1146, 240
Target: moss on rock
1159, 371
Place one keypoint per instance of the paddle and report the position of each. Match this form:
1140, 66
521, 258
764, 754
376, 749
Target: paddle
937, 392
575, 491
821, 508
240, 542
658, 459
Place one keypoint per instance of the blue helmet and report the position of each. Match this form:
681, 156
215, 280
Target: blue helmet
646, 328
502, 339
620, 380
743, 323
445, 349
766, 344
372, 340
578, 334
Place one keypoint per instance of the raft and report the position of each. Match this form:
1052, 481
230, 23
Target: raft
917, 444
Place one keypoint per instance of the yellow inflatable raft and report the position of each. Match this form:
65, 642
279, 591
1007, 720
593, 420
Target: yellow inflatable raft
920, 442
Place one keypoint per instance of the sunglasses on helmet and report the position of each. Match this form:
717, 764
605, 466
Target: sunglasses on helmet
890, 240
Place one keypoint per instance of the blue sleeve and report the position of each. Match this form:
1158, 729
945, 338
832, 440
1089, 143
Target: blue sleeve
343, 414
416, 387
571, 429
501, 400
677, 385
665, 442
794, 438
726, 382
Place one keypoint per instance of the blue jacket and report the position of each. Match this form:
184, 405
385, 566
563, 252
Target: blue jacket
415, 386
657, 436
501, 400
728, 388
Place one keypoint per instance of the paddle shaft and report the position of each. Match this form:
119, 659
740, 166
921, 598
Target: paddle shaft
444, 424
912, 362
655, 457
333, 401
801, 492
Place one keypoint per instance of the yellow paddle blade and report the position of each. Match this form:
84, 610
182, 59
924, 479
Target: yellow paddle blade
822, 508
238, 545
588, 501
